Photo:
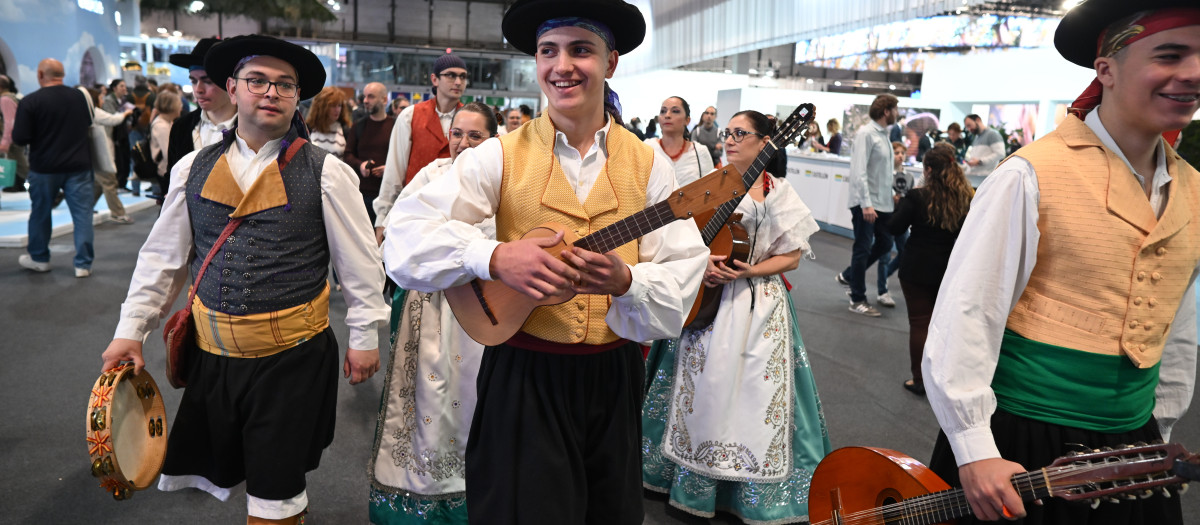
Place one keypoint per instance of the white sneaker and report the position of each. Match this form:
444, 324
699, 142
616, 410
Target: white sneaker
27, 262
886, 300
864, 309
83, 272
121, 219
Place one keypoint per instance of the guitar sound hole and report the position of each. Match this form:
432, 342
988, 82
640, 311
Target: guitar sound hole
890, 518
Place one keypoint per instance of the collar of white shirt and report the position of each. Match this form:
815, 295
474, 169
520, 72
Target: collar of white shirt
1161, 176
204, 119
600, 144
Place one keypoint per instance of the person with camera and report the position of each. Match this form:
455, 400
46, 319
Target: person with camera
367, 143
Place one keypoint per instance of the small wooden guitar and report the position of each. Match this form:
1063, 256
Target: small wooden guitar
727, 237
861, 485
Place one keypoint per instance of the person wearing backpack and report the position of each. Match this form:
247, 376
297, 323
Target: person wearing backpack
8, 116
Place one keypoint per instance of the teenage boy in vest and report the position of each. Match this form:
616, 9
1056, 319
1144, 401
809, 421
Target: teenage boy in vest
555, 436
205, 125
262, 372
1067, 318
421, 134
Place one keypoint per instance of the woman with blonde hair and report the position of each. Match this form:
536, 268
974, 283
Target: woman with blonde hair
834, 144
328, 121
935, 212
167, 108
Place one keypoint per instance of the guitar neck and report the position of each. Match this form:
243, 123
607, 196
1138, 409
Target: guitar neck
710, 230
628, 229
946, 505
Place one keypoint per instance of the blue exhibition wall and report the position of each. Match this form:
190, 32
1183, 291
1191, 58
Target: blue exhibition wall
80, 33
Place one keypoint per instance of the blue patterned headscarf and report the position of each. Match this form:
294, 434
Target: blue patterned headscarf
612, 103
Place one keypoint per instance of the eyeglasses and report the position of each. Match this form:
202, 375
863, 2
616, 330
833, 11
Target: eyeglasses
454, 76
472, 136
737, 134
710, 113
260, 86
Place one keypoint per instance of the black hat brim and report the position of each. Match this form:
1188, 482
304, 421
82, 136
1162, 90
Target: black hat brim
196, 57
1078, 34
523, 18
225, 55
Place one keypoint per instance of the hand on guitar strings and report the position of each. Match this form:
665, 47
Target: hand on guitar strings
524, 266
604, 274
987, 483
718, 273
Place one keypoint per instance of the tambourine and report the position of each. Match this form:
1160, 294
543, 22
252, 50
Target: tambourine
126, 431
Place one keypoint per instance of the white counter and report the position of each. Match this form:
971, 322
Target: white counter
821, 181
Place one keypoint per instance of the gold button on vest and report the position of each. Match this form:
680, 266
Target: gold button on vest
1100, 241
536, 191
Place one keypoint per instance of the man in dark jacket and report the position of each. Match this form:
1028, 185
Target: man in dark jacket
204, 125
53, 122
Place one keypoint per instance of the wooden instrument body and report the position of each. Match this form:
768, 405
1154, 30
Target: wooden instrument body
126, 431
854, 479
733, 241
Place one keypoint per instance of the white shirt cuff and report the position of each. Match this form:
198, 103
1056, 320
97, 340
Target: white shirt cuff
132, 328
478, 257
973, 444
636, 295
364, 338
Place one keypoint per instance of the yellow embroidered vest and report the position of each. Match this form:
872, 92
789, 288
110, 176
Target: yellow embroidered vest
1109, 275
536, 191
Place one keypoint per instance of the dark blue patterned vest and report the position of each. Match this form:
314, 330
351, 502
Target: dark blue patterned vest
277, 258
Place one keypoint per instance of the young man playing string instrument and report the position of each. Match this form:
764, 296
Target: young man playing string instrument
1067, 316
261, 391
555, 436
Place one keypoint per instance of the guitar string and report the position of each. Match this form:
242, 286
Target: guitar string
937, 502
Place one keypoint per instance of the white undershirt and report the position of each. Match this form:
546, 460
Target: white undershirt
398, 153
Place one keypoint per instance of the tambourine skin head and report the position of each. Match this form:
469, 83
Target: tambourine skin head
126, 431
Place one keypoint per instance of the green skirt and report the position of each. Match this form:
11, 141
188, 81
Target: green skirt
753, 502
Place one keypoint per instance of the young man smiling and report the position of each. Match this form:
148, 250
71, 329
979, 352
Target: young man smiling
217, 113
261, 390
1067, 317
556, 432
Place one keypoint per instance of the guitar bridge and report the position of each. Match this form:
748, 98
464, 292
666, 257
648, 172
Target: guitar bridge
487, 309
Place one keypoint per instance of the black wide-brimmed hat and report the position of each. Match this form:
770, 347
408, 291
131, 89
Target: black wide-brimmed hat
196, 57
1077, 35
225, 55
521, 21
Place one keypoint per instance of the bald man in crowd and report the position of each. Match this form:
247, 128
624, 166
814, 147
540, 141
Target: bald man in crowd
53, 121
367, 143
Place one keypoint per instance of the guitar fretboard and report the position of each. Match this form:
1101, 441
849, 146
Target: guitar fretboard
628, 229
710, 230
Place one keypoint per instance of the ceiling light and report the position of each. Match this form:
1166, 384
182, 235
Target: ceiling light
162, 30
837, 82
866, 85
1068, 4
177, 33
753, 71
891, 86
810, 81
195, 7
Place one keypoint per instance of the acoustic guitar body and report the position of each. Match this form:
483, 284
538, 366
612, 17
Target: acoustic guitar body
485, 324
859, 479
733, 241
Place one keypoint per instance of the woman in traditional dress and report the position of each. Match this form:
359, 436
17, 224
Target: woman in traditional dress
328, 121
732, 420
686, 156
417, 470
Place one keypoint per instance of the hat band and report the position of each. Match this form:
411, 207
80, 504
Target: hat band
1113, 39
598, 28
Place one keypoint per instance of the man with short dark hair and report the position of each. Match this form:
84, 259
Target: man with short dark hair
870, 200
421, 134
706, 133
986, 151
205, 125
53, 122
262, 365
398, 104
1067, 317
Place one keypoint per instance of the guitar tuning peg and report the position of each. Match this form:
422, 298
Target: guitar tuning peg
1096, 450
1129, 496
1166, 493
1113, 500
1146, 494
1182, 488
1095, 503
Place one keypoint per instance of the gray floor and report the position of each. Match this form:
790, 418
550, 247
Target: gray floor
53, 328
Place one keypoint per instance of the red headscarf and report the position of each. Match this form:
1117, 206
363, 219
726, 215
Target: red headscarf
1118, 37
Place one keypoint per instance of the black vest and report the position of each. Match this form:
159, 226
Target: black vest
277, 258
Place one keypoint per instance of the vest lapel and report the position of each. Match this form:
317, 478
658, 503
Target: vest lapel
1176, 216
1125, 198
434, 126
267, 191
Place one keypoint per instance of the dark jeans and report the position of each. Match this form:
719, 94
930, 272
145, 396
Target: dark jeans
77, 187
871, 241
920, 299
888, 265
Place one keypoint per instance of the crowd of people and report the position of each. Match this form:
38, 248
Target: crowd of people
1026, 302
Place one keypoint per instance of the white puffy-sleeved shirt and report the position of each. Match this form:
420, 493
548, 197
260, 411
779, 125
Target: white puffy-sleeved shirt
162, 267
989, 268
431, 244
